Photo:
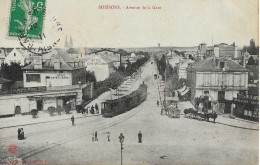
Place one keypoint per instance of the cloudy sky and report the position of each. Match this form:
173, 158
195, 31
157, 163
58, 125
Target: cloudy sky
178, 23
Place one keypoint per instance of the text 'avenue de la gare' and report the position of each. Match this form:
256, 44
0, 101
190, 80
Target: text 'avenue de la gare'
148, 7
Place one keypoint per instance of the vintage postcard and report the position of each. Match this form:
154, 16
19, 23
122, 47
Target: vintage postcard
134, 82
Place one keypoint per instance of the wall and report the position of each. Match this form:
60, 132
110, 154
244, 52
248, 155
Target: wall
79, 75
8, 104
55, 79
101, 71
215, 79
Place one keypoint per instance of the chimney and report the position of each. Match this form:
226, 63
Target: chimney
244, 60
216, 51
37, 62
56, 62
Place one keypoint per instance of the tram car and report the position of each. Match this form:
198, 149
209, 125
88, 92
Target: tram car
111, 108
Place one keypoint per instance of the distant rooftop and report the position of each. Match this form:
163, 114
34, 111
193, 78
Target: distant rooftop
211, 65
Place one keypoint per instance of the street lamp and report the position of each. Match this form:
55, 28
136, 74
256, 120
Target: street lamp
121, 140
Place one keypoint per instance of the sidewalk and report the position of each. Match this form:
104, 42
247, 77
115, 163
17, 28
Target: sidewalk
224, 120
43, 118
126, 88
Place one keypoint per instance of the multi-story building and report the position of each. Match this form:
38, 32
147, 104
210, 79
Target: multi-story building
100, 65
53, 71
101, 62
17, 56
220, 79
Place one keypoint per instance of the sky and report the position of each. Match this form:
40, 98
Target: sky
178, 23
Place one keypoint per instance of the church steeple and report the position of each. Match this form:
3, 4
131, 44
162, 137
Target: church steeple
66, 43
71, 43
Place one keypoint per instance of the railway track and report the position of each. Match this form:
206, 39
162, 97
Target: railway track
102, 126
48, 131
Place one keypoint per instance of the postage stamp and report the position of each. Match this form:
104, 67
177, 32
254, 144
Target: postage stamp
26, 18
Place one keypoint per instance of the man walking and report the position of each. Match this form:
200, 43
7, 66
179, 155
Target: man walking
96, 139
72, 120
139, 137
96, 107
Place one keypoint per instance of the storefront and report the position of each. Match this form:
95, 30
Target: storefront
246, 105
44, 101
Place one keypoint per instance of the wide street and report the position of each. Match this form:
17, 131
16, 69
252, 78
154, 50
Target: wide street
165, 140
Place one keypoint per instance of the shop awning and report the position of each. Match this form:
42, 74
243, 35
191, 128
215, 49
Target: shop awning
53, 95
185, 91
182, 89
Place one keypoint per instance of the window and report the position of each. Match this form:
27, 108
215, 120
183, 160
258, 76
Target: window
206, 92
33, 78
236, 80
221, 95
14, 54
222, 65
206, 80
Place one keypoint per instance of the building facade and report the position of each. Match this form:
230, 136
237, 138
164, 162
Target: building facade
218, 78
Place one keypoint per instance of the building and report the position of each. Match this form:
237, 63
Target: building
69, 44
54, 69
2, 56
202, 49
50, 80
182, 68
17, 55
100, 65
227, 51
246, 104
219, 79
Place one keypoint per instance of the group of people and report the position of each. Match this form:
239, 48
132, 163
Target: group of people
95, 138
93, 110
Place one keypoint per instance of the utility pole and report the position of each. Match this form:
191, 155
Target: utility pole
164, 102
121, 140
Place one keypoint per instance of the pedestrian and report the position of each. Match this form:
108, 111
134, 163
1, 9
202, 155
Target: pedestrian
19, 134
72, 120
96, 139
92, 110
82, 111
139, 137
93, 137
96, 107
157, 103
108, 137
86, 110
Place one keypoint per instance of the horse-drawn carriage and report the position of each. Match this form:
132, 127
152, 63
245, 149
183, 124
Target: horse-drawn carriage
200, 115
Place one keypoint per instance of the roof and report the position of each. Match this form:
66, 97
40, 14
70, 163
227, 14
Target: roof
101, 50
211, 65
23, 53
48, 64
87, 58
8, 50
72, 51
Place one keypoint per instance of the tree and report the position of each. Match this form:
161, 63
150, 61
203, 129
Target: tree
12, 72
90, 77
251, 61
252, 48
123, 52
